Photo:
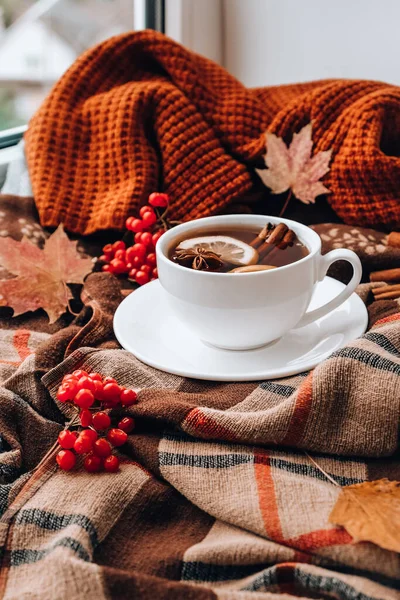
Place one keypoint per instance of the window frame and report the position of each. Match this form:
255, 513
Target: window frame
11, 137
151, 15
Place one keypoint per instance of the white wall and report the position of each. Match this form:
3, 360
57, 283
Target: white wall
268, 42
197, 24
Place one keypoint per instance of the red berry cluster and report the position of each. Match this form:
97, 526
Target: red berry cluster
139, 260
93, 395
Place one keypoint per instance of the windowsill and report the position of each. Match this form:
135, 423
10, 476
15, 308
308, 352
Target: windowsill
6, 156
9, 154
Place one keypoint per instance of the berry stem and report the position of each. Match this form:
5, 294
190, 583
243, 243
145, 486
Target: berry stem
51, 450
46, 456
162, 218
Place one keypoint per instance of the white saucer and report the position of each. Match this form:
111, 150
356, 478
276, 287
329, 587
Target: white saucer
144, 325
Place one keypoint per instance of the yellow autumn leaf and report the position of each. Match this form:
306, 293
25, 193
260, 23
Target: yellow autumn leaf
370, 512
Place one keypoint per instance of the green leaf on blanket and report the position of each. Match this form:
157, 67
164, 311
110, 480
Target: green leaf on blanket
41, 275
293, 168
370, 512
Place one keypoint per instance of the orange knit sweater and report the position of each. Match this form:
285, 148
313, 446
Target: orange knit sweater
140, 113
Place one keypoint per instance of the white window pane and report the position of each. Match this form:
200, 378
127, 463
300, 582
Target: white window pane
39, 39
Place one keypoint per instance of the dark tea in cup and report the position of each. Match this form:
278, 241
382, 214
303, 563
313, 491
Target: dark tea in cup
239, 249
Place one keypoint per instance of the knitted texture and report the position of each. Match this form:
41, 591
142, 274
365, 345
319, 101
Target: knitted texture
140, 113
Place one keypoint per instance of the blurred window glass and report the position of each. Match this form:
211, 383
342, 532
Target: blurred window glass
39, 39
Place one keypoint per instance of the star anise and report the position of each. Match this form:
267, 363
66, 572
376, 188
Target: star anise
198, 258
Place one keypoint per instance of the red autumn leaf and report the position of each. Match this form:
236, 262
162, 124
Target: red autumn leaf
293, 167
41, 275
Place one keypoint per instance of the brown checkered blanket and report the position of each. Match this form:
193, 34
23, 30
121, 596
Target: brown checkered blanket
217, 497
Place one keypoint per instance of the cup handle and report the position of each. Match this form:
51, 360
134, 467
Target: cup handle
323, 264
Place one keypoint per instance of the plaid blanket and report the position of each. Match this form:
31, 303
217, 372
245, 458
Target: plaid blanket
217, 497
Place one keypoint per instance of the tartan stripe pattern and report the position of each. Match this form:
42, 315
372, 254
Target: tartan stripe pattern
15, 346
217, 497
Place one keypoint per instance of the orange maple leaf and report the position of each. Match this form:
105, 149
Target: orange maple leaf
293, 167
41, 275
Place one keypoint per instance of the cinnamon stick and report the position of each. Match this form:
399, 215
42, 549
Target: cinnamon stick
386, 288
273, 240
394, 239
288, 240
260, 239
388, 275
387, 295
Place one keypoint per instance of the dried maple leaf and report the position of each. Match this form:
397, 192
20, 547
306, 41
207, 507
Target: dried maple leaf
41, 275
370, 512
293, 168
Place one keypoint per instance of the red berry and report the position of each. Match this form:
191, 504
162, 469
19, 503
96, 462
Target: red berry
132, 273
141, 277
111, 464
89, 433
84, 399
69, 377
66, 460
128, 223
151, 260
64, 392
154, 273
138, 237
92, 463
108, 250
146, 269
137, 225
127, 424
98, 389
85, 383
79, 373
85, 417
107, 269
149, 218
147, 238
104, 258
101, 420
136, 250
83, 444
156, 236
111, 393
128, 397
137, 262
102, 448
118, 266
117, 437
158, 199
66, 439
109, 380
145, 209
130, 254
95, 377
120, 255
119, 245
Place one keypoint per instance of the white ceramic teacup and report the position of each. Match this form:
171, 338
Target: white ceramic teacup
241, 311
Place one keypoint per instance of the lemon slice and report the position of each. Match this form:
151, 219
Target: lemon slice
228, 248
252, 269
